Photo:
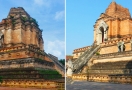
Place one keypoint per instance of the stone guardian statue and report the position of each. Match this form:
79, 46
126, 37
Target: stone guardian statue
121, 46
69, 68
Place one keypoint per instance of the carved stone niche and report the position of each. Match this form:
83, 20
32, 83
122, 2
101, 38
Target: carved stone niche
101, 32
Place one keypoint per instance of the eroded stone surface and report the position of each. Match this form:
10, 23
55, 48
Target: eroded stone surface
116, 10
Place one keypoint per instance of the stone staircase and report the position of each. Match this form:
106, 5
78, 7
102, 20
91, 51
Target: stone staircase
84, 58
59, 67
69, 80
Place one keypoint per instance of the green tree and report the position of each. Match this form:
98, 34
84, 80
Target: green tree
62, 61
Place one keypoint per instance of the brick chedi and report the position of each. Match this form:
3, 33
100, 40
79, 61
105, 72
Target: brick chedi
111, 26
109, 58
116, 10
21, 32
21, 29
22, 56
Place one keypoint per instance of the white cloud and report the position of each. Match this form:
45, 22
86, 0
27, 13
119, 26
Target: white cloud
45, 3
56, 48
59, 15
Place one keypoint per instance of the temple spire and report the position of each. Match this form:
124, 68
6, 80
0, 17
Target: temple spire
118, 11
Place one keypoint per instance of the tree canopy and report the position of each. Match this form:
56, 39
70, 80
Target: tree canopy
62, 61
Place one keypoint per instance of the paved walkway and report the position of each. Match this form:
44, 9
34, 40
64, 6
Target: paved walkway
84, 85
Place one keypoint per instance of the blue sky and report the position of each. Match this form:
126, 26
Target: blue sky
81, 15
50, 15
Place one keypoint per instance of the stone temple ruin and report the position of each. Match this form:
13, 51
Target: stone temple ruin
109, 59
23, 61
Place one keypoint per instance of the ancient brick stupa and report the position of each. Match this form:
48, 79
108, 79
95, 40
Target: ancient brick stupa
109, 59
22, 56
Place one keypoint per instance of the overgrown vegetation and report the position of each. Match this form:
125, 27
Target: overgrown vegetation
41, 71
11, 16
52, 74
24, 18
1, 79
62, 61
34, 20
13, 21
39, 59
97, 53
30, 19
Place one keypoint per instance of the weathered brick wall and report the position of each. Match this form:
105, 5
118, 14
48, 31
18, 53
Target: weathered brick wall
18, 29
116, 10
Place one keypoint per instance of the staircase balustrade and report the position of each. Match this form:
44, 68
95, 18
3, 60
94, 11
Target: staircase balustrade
84, 58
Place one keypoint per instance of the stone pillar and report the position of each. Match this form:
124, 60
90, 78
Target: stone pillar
105, 35
131, 44
117, 28
8, 36
41, 44
37, 39
99, 38
95, 35
33, 36
17, 35
23, 31
109, 31
28, 34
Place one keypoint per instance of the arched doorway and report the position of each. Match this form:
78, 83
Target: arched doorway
102, 34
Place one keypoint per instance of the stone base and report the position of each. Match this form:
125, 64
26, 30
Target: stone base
28, 68
25, 63
34, 83
111, 79
114, 67
103, 78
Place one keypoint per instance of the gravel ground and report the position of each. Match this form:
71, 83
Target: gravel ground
84, 85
